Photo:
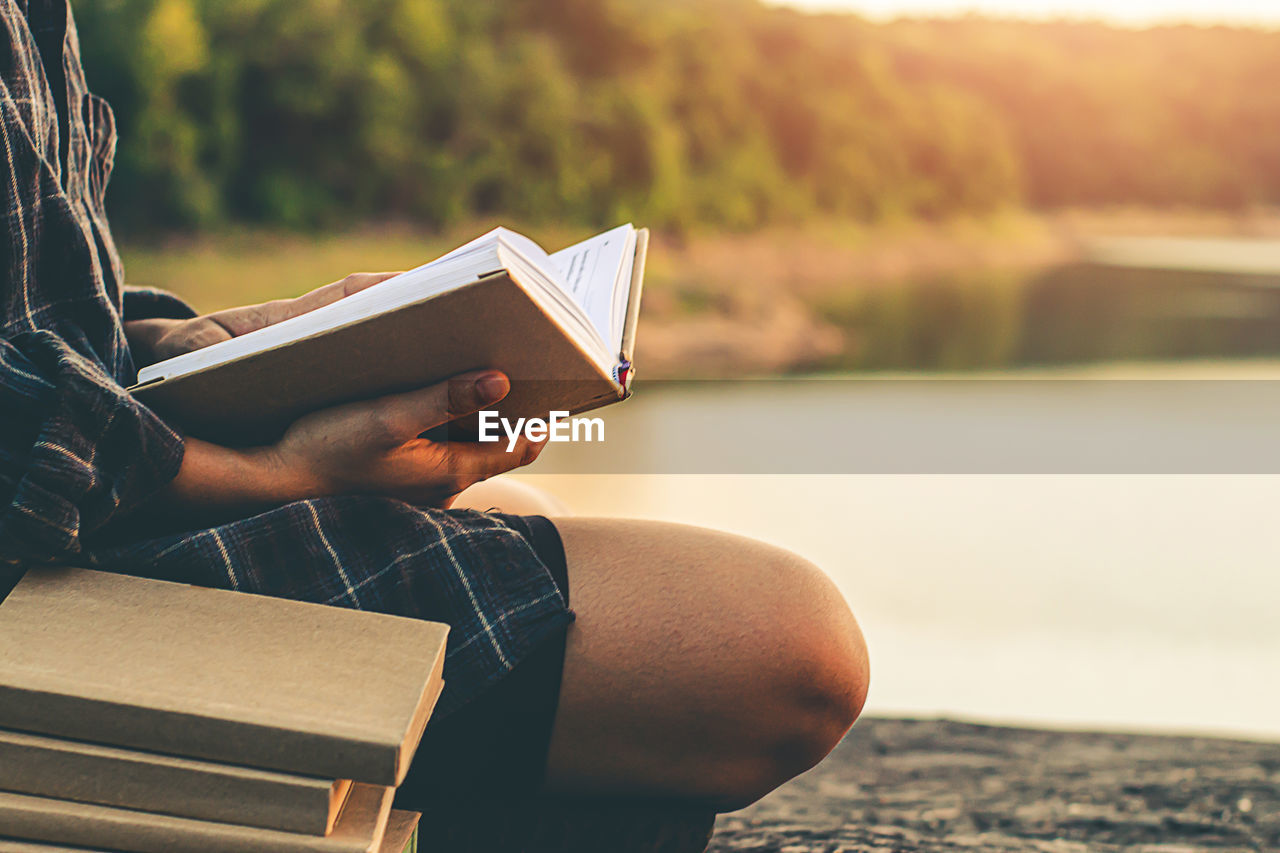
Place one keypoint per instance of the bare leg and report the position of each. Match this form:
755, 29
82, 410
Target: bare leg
702, 666
510, 496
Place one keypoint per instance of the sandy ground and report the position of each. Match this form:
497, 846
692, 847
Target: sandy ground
940, 786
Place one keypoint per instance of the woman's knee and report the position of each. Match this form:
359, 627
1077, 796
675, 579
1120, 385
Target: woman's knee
812, 662
703, 665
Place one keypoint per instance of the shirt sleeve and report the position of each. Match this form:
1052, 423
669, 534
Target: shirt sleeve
76, 450
148, 303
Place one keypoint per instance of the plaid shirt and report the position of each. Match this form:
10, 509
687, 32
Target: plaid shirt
80, 458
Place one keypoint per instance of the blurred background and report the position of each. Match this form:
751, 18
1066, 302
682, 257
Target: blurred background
903, 188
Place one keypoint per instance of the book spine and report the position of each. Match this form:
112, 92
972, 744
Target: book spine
60, 822
69, 770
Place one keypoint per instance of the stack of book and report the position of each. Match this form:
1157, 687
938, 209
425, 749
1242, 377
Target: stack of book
150, 717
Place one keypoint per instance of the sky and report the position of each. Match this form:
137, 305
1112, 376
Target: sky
1123, 12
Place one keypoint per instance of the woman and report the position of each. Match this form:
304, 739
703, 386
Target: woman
701, 666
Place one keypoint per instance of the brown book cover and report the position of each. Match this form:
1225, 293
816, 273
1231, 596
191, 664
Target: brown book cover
493, 322
360, 829
217, 675
402, 833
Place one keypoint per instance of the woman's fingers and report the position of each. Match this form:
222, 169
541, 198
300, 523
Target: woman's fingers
400, 418
249, 318
189, 335
322, 296
472, 462
376, 446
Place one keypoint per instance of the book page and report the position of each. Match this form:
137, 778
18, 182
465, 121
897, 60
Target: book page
590, 272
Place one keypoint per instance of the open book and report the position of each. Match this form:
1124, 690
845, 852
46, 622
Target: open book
561, 326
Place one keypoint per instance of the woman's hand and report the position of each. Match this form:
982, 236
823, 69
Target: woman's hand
369, 448
375, 447
157, 340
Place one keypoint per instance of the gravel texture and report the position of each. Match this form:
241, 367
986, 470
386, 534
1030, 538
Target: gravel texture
925, 785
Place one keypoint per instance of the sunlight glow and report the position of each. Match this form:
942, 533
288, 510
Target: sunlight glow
1263, 13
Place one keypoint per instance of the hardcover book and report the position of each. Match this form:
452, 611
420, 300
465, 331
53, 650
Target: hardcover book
183, 787
9, 845
561, 326
217, 675
401, 836
360, 829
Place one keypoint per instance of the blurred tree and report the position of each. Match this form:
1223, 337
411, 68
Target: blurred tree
314, 113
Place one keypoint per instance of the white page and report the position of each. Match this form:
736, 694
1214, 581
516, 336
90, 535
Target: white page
589, 271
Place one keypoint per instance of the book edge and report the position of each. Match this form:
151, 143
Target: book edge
633, 298
339, 796
426, 707
97, 774
402, 828
377, 765
63, 822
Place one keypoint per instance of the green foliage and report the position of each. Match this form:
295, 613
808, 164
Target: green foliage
316, 113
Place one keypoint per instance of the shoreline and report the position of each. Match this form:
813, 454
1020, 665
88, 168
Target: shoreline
772, 302
1088, 729
271, 264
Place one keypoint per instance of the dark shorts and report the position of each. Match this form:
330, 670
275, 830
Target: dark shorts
498, 742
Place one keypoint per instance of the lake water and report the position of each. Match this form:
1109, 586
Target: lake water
1130, 299
1132, 602
1093, 599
